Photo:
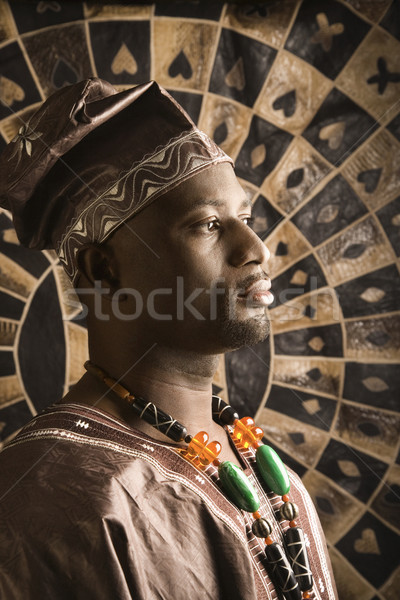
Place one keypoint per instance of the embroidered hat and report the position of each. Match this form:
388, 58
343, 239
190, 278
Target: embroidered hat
90, 158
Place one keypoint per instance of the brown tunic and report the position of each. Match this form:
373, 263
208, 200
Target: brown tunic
93, 509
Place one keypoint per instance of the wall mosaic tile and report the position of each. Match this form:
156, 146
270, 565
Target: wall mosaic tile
305, 97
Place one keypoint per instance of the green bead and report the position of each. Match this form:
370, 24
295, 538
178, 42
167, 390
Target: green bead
237, 487
272, 470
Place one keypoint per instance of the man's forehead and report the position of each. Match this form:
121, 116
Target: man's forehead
182, 207
216, 187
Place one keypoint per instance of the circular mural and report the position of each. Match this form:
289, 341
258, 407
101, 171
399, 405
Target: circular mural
305, 97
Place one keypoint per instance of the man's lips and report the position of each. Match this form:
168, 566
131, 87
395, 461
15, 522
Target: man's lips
258, 293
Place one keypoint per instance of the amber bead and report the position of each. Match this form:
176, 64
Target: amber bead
209, 453
253, 437
261, 528
197, 444
241, 426
289, 511
246, 432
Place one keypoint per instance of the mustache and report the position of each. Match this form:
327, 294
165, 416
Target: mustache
250, 279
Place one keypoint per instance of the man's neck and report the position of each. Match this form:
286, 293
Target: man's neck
179, 385
183, 393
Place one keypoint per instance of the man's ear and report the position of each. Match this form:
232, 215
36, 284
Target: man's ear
96, 263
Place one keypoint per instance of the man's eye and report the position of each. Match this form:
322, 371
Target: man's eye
210, 225
249, 221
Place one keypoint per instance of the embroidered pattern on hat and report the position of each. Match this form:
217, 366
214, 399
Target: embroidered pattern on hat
154, 175
23, 141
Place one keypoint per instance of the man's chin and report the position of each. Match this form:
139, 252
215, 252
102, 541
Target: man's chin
237, 334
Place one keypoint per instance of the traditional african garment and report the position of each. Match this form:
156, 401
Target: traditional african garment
93, 509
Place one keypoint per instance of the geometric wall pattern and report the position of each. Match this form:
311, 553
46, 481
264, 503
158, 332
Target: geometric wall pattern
305, 96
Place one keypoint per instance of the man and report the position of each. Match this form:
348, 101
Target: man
154, 231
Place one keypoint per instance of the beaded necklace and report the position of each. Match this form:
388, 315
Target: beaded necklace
288, 567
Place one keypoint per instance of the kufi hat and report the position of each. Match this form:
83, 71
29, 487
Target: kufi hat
90, 158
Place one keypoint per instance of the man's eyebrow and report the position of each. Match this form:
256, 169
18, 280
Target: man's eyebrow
219, 203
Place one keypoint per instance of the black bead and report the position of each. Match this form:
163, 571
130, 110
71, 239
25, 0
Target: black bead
159, 419
281, 572
297, 552
222, 412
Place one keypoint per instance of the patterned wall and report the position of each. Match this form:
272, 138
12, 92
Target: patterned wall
305, 96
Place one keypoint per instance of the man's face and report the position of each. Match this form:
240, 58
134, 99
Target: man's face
191, 257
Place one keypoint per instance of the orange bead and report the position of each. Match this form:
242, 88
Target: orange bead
216, 462
257, 432
256, 515
209, 453
196, 445
269, 540
257, 444
253, 434
246, 432
292, 523
285, 498
306, 595
241, 427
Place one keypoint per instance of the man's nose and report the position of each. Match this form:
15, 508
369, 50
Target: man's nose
247, 247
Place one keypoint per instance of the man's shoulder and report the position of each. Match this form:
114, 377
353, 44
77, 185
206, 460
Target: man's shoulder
67, 448
81, 453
